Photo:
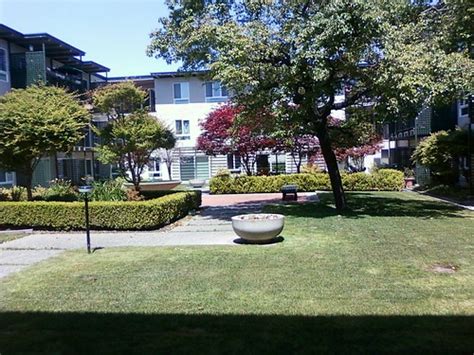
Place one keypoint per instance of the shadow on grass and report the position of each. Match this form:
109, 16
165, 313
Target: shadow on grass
74, 333
365, 204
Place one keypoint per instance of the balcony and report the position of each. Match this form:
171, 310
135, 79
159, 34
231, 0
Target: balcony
70, 79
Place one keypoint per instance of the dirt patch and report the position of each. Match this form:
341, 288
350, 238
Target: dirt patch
444, 268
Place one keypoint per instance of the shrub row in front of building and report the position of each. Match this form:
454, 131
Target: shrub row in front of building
381, 180
116, 215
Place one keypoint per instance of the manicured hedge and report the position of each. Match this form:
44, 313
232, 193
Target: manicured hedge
114, 215
382, 180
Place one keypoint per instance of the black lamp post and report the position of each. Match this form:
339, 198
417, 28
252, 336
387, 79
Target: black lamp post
469, 143
86, 190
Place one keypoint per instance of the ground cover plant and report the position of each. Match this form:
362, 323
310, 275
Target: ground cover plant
365, 281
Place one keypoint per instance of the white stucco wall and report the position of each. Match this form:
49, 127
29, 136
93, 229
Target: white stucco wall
194, 112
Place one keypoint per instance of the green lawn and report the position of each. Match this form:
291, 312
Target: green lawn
6, 237
358, 282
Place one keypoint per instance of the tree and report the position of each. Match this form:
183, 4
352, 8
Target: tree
440, 152
166, 156
355, 139
387, 56
118, 99
227, 130
36, 122
132, 135
129, 142
293, 140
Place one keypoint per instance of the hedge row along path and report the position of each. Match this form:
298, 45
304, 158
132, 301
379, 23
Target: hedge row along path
211, 227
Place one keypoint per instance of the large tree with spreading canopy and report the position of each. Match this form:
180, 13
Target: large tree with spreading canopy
36, 122
389, 57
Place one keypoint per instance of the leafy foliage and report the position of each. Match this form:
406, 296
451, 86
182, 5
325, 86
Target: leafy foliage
388, 57
109, 190
355, 139
58, 190
129, 141
440, 152
118, 99
383, 179
38, 121
114, 215
224, 132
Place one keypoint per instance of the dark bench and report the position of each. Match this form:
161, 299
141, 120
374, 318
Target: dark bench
290, 189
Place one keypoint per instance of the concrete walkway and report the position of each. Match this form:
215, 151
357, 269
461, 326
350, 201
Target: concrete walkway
210, 227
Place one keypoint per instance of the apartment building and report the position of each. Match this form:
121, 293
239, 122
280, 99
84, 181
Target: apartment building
404, 136
29, 58
182, 101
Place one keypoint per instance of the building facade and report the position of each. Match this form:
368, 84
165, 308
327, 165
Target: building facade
404, 136
181, 100
39, 57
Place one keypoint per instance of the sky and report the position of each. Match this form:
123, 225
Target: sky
114, 33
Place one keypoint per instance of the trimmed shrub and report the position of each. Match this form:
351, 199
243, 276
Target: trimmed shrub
382, 180
111, 215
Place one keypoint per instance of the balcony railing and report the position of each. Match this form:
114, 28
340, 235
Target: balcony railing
69, 81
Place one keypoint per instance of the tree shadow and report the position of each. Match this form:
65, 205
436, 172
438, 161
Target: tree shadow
360, 204
77, 333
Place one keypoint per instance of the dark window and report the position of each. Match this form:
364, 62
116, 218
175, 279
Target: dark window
3, 64
177, 91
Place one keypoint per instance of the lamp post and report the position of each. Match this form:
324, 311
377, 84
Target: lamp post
469, 143
86, 190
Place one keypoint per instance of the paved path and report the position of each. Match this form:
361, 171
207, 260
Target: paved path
210, 227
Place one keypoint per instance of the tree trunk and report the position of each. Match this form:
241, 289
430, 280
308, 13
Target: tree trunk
168, 167
333, 169
246, 163
29, 181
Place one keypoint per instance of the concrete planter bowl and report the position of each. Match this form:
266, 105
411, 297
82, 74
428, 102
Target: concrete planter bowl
197, 183
259, 227
156, 185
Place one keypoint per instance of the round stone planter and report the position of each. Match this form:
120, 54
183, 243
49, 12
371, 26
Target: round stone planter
259, 227
156, 185
197, 183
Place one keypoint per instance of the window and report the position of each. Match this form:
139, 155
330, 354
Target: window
6, 178
215, 91
463, 108
182, 129
154, 168
233, 162
181, 93
3, 65
151, 100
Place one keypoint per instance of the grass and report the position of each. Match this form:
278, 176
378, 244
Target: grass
357, 282
6, 237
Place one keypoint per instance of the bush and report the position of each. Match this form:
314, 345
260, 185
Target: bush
15, 193
383, 179
112, 215
58, 190
110, 190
